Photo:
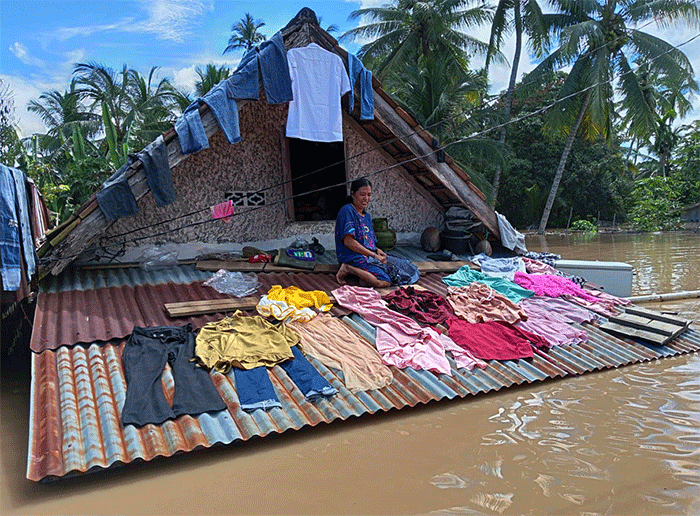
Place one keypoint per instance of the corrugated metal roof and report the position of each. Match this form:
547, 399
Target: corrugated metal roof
78, 391
68, 316
77, 394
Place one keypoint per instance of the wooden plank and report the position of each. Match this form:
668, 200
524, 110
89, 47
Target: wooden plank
212, 306
322, 268
635, 333
644, 323
636, 310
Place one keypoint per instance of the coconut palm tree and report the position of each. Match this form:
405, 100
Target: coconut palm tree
209, 77
245, 34
134, 109
599, 40
523, 17
406, 29
61, 112
438, 92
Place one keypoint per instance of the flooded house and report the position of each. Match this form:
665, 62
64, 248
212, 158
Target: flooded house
227, 177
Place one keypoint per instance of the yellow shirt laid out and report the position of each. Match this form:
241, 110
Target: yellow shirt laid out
299, 298
245, 342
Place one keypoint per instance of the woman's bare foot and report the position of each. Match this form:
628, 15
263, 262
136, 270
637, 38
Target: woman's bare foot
342, 274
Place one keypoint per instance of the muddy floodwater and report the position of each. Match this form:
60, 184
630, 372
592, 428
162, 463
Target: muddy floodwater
616, 442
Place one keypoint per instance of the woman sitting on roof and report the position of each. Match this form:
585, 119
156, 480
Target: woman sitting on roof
356, 245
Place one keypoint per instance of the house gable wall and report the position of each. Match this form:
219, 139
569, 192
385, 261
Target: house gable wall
256, 163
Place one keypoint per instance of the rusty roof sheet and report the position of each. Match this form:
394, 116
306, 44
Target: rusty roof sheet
78, 391
77, 394
65, 317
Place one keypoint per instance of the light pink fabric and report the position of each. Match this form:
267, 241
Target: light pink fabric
550, 325
609, 298
477, 302
561, 309
400, 340
332, 342
538, 267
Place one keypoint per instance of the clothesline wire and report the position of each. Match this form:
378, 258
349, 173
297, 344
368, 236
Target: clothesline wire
122, 243
493, 99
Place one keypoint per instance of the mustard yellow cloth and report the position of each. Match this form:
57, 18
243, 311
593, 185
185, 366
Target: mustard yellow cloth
299, 298
245, 342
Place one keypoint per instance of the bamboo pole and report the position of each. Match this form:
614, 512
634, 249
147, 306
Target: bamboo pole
669, 296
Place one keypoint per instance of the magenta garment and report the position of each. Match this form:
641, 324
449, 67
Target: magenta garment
550, 325
551, 286
558, 308
494, 340
422, 305
401, 341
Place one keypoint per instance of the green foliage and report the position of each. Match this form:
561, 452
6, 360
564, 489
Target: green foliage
686, 164
10, 145
403, 30
655, 205
596, 179
245, 34
584, 225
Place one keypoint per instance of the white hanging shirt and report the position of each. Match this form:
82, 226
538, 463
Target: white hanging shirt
319, 80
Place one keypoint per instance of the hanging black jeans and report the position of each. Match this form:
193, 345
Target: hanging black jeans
144, 357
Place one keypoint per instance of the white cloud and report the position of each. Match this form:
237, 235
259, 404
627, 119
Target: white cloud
23, 91
66, 33
184, 78
22, 53
170, 19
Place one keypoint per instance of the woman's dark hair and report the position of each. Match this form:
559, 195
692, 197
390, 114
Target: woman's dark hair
355, 186
359, 183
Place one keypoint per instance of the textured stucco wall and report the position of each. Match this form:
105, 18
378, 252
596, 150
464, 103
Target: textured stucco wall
254, 163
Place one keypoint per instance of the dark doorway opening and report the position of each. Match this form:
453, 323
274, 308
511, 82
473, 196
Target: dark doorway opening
316, 167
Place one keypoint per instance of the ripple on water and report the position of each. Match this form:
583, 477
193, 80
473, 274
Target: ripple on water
600, 441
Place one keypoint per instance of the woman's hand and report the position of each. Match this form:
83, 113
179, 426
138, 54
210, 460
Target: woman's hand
381, 255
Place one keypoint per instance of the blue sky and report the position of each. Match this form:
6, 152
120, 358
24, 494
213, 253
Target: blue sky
41, 40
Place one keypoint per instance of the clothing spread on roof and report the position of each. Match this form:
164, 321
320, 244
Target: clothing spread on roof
292, 303
551, 286
319, 80
478, 302
558, 308
255, 390
400, 340
543, 320
245, 342
145, 354
356, 70
494, 340
603, 304
282, 311
332, 342
16, 241
537, 267
465, 275
300, 298
499, 267
422, 305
